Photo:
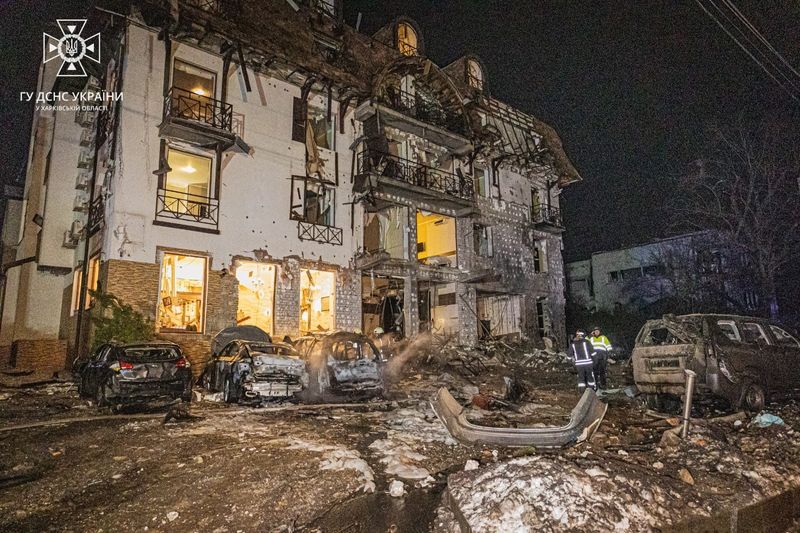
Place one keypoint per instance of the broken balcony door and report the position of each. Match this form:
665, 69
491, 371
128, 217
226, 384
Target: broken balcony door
256, 295
499, 315
382, 304
386, 230
317, 290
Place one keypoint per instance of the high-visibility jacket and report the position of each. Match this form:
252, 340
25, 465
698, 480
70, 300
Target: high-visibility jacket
600, 343
581, 352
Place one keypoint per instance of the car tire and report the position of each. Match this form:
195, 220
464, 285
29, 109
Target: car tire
753, 397
229, 392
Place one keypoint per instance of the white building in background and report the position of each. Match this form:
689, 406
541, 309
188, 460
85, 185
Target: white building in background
293, 174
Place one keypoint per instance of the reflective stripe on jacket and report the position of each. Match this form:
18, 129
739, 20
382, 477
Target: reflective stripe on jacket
600, 343
582, 352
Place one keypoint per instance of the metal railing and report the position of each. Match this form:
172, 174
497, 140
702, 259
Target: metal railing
413, 173
550, 216
96, 216
185, 206
183, 104
307, 231
415, 105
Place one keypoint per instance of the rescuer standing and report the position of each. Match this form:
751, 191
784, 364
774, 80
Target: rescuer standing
602, 348
582, 356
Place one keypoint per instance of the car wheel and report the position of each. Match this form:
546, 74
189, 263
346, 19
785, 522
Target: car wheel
229, 394
753, 397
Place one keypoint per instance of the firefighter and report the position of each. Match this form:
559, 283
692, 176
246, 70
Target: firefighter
581, 351
602, 348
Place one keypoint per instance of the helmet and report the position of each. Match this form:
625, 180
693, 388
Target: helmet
357, 331
378, 331
596, 328
579, 333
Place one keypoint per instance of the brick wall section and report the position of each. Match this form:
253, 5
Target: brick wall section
287, 299
348, 300
467, 321
41, 355
135, 283
5, 356
222, 300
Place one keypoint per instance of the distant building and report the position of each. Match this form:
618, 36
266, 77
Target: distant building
692, 267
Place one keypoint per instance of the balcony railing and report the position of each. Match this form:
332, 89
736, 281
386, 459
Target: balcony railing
404, 170
549, 216
307, 231
96, 216
188, 207
187, 105
425, 110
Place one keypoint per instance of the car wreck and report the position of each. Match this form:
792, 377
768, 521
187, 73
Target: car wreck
253, 368
747, 361
342, 366
131, 373
584, 419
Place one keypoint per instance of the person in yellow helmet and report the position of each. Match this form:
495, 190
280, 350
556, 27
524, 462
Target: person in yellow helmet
602, 349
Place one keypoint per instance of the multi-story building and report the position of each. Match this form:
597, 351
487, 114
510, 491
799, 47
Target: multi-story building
268, 164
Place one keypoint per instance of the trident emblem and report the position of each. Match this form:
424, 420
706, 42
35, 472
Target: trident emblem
71, 48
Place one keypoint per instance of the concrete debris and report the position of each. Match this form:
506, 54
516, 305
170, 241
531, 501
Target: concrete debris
397, 489
172, 515
472, 464
686, 476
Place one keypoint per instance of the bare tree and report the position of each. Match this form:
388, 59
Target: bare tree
745, 191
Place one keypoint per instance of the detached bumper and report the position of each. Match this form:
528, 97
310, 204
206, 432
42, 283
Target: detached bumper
584, 420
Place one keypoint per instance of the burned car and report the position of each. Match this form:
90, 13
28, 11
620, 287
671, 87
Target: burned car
744, 360
342, 366
255, 370
127, 373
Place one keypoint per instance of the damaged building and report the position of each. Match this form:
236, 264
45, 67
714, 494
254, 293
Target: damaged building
268, 164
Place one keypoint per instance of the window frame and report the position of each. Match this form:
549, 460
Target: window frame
482, 233
401, 45
734, 326
202, 323
795, 343
176, 60
303, 217
761, 331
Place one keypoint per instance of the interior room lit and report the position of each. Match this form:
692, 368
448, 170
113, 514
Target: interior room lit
317, 290
188, 182
436, 239
182, 292
193, 79
256, 295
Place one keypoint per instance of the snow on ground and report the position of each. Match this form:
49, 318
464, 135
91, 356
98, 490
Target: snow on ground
338, 458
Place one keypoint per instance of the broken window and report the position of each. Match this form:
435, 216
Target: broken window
540, 256
326, 7
386, 230
92, 276
443, 308
480, 177
729, 330
474, 74
542, 316
406, 39
536, 204
498, 315
613, 276
256, 294
784, 338
660, 336
482, 236
182, 292
317, 290
186, 187
306, 116
436, 239
753, 333
631, 273
313, 201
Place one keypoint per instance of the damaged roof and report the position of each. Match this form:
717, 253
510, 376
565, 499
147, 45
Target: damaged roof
307, 46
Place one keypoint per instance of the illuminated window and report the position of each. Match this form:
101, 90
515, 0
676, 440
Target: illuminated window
256, 295
188, 184
193, 79
474, 75
436, 239
317, 290
406, 39
182, 292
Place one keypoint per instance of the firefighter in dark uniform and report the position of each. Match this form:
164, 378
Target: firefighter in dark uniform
581, 351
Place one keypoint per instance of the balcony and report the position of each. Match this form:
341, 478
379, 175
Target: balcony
547, 218
192, 211
377, 169
420, 116
96, 216
307, 231
201, 120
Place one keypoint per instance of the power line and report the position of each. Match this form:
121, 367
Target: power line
746, 50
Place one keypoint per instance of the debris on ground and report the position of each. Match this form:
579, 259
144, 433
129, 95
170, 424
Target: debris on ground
767, 419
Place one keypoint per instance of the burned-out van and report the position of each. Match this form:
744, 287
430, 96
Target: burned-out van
745, 360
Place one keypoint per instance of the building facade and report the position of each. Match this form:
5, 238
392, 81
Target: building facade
269, 165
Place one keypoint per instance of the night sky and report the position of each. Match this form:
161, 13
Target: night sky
629, 85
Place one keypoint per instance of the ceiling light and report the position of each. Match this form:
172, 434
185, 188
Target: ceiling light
199, 91
189, 169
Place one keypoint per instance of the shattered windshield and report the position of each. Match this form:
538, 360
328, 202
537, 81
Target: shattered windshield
151, 353
271, 349
670, 330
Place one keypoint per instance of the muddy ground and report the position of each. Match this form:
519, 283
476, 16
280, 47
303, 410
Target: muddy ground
338, 468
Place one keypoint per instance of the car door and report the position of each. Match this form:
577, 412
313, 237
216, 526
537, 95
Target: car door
225, 362
94, 369
789, 347
767, 358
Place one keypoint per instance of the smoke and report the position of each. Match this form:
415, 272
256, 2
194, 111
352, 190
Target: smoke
394, 367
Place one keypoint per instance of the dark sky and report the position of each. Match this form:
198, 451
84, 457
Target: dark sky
629, 85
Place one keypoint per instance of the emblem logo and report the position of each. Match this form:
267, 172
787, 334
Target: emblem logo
71, 47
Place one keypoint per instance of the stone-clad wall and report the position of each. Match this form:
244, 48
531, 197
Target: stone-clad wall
348, 300
287, 299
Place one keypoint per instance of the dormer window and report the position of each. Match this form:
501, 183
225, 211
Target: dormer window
407, 41
474, 75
